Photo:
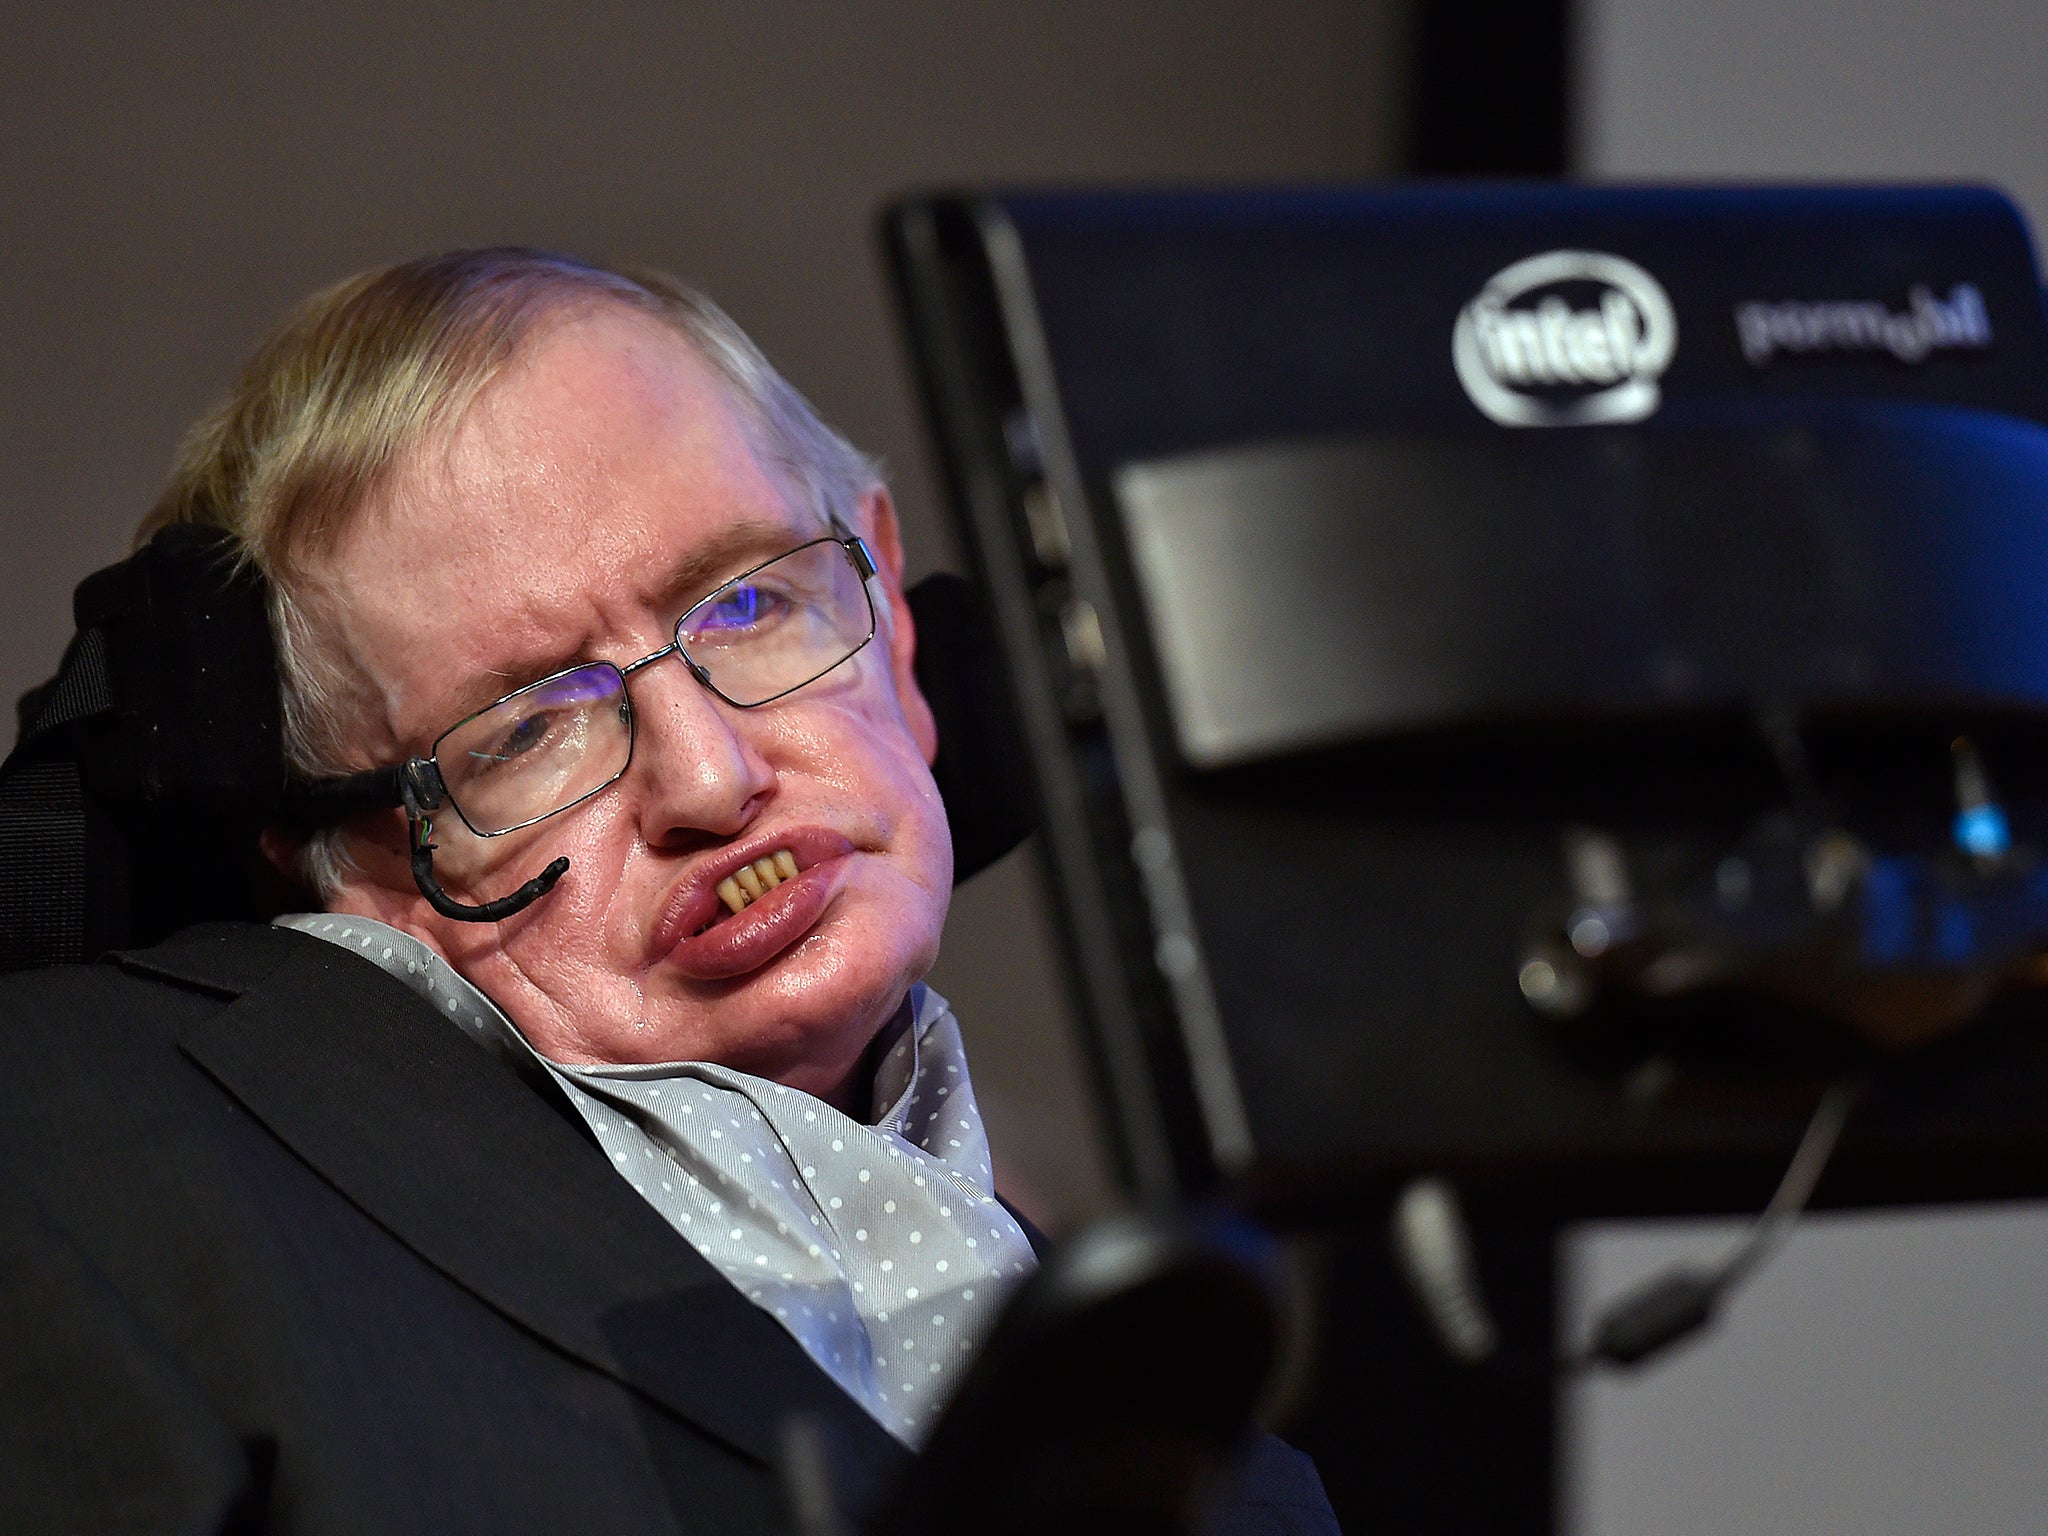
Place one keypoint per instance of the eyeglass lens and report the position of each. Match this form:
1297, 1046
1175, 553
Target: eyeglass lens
779, 627
544, 748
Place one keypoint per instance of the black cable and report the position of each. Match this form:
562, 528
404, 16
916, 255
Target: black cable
1433, 1245
485, 912
421, 792
1682, 1300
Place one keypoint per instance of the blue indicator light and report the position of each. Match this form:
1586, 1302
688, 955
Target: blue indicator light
1982, 830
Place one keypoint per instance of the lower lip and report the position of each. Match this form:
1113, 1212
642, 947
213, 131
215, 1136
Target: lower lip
755, 935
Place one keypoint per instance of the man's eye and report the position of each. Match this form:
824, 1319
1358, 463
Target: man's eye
525, 735
747, 607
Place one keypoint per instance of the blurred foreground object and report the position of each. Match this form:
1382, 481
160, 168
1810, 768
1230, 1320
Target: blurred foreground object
1111, 1401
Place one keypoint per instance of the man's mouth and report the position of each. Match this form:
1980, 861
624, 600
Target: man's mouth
755, 910
750, 882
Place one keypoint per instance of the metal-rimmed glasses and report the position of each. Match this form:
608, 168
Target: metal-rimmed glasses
554, 743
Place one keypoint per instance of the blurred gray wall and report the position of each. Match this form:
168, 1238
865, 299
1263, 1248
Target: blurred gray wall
1887, 1375
172, 177
1742, 89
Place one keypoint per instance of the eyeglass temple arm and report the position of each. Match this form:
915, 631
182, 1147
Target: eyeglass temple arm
415, 786
307, 805
863, 561
863, 557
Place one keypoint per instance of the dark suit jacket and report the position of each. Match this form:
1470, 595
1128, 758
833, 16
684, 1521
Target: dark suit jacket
280, 1250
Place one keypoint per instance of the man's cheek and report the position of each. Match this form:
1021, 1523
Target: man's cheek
862, 696
462, 857
861, 742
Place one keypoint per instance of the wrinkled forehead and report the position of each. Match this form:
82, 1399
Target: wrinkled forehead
603, 481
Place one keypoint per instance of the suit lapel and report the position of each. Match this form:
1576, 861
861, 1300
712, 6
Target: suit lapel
473, 1171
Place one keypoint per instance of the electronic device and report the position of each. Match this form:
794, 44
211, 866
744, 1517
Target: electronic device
1529, 683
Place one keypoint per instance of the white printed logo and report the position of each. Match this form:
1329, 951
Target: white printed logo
1926, 324
1530, 356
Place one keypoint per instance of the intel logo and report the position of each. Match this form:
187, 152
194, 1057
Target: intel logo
1566, 339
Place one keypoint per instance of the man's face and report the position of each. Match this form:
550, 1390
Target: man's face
599, 487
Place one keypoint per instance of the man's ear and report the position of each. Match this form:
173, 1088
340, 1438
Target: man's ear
277, 877
877, 519
280, 850
377, 875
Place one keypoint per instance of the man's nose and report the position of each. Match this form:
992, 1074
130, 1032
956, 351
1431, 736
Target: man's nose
694, 770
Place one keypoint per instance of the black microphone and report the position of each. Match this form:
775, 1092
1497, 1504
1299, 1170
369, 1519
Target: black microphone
489, 911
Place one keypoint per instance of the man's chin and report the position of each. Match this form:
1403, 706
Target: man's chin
805, 1012
821, 1056
836, 981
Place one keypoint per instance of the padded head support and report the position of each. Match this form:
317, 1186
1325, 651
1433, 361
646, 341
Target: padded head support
130, 806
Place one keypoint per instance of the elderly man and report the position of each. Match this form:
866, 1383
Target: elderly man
599, 1122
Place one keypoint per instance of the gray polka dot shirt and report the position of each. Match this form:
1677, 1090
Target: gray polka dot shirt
879, 1245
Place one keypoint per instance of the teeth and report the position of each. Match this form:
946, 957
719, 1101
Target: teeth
750, 882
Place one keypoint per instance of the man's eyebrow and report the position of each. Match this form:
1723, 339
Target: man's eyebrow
738, 547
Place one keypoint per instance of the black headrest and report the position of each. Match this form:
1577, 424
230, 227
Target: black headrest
145, 768
983, 770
